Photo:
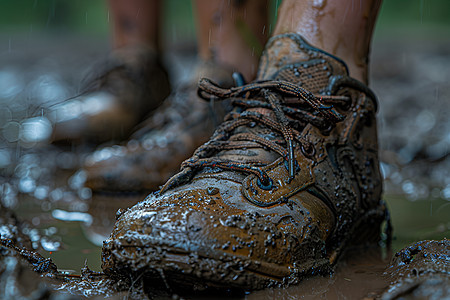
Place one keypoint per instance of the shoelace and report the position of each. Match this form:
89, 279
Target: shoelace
293, 107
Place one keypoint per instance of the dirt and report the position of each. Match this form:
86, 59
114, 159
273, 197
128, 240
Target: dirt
39, 182
419, 271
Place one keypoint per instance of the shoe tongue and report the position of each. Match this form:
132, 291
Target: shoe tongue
290, 58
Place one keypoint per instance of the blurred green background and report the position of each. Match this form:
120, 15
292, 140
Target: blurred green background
423, 17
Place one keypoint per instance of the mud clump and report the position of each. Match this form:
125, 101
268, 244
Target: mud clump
25, 274
420, 271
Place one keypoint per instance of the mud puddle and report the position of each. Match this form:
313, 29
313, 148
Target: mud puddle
359, 273
68, 226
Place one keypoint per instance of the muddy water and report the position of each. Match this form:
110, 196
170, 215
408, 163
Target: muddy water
359, 273
37, 184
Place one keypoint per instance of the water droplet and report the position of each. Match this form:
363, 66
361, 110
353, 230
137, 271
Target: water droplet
132, 145
425, 120
41, 192
77, 180
48, 88
72, 216
445, 193
11, 131
5, 116
38, 129
50, 245
85, 193
66, 160
5, 158
56, 194
318, 4
11, 83
27, 185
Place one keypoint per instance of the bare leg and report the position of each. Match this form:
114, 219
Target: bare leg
343, 28
135, 22
231, 32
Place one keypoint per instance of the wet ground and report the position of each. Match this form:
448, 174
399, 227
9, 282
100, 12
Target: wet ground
40, 183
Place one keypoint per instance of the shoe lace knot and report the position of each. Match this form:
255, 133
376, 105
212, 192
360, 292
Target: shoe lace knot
272, 105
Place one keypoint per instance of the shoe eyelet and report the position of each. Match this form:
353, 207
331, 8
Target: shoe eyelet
346, 106
326, 130
309, 151
266, 187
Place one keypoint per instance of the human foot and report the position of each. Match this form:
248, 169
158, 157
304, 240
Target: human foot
115, 97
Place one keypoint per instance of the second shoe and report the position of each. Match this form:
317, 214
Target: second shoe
160, 143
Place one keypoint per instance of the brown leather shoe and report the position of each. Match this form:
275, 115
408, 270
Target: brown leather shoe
288, 181
170, 135
115, 97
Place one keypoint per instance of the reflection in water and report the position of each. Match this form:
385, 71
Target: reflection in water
11, 83
358, 274
5, 116
50, 245
11, 131
27, 185
41, 192
5, 158
48, 88
37, 129
72, 216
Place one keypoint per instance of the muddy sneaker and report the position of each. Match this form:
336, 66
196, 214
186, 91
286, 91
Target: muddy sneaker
285, 184
115, 96
170, 135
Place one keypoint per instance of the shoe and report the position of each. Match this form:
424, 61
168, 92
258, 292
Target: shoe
285, 184
155, 151
115, 97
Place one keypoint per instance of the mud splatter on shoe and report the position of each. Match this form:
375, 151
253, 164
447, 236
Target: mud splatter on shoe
284, 185
170, 135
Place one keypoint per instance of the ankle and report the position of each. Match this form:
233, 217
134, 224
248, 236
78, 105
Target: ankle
134, 55
232, 34
238, 57
341, 28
